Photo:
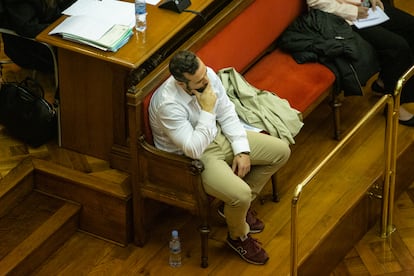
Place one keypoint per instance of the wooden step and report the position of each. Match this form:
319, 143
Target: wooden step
33, 230
104, 193
105, 198
16, 185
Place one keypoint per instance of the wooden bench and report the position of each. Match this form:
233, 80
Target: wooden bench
242, 36
247, 43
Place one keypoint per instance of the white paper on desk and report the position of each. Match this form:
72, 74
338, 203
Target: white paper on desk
153, 2
83, 26
374, 18
118, 12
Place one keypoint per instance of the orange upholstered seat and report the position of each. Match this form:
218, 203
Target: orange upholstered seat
300, 84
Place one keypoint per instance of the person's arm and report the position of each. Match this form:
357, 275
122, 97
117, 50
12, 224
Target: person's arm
28, 18
181, 122
345, 9
228, 118
23, 17
232, 129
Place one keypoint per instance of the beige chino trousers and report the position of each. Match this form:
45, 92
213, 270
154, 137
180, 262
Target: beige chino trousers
267, 155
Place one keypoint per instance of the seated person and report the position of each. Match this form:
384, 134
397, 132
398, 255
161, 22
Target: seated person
191, 114
392, 40
28, 19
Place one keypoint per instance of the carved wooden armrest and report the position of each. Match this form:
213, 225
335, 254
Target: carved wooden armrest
195, 166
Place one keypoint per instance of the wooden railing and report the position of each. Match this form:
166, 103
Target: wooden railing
392, 104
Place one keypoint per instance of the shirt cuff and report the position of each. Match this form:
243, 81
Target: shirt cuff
240, 146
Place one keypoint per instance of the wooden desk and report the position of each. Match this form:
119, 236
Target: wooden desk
93, 83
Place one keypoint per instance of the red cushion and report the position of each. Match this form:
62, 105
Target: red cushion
300, 84
249, 34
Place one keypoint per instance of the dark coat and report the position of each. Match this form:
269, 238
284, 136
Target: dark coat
28, 18
323, 37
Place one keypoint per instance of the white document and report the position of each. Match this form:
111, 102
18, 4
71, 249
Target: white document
249, 127
117, 12
83, 26
153, 2
374, 18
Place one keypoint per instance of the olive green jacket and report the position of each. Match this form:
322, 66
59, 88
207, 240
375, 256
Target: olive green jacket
260, 108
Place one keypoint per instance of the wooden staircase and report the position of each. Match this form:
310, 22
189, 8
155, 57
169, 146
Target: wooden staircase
32, 225
37, 216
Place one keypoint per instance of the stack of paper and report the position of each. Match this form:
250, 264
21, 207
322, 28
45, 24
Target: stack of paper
105, 24
374, 18
93, 32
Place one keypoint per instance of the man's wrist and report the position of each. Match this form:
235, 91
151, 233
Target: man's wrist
244, 152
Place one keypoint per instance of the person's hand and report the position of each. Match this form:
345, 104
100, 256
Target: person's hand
362, 12
241, 164
207, 99
376, 3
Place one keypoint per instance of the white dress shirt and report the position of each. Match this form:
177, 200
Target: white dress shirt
180, 126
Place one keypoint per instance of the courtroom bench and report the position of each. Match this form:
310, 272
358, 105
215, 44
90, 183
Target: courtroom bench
243, 36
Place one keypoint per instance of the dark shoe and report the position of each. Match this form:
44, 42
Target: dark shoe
250, 250
256, 225
377, 90
409, 122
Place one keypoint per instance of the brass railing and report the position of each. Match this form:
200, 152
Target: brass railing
390, 147
387, 226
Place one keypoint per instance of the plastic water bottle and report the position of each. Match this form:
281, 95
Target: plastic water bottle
175, 250
140, 16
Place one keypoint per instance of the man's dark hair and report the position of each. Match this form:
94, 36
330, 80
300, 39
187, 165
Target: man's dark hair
183, 62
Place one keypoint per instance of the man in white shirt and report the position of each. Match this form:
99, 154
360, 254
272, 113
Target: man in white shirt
191, 114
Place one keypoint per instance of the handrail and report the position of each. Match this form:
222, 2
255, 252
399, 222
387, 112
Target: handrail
384, 100
388, 228
390, 146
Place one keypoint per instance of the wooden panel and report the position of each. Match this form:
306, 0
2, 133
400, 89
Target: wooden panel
93, 83
106, 206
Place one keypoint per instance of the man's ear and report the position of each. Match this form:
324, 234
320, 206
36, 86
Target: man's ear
182, 84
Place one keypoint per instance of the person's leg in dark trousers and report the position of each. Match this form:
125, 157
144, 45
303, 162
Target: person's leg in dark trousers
394, 42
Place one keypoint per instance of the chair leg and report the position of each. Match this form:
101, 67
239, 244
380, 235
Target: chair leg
336, 108
275, 193
204, 233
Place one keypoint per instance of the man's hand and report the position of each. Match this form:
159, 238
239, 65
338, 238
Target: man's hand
241, 164
207, 99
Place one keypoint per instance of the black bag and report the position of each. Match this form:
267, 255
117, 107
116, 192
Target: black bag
26, 114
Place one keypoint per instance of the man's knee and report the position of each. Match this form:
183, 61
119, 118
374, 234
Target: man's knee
282, 154
242, 198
